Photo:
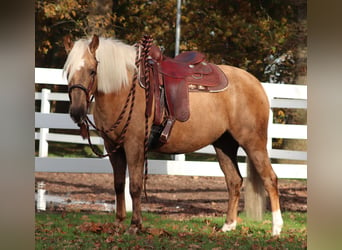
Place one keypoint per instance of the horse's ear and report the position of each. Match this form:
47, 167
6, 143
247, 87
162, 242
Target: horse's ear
94, 44
68, 43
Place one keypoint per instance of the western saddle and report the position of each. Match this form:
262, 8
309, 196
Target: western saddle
171, 79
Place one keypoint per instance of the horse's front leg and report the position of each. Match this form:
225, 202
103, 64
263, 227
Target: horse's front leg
119, 164
135, 161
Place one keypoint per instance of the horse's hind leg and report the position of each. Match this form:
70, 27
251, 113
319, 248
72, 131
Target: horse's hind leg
259, 159
226, 150
118, 161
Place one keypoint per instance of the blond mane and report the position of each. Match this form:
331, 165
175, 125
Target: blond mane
116, 59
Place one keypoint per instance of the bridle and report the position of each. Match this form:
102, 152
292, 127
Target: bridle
87, 91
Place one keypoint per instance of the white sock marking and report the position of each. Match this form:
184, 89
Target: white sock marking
228, 227
277, 222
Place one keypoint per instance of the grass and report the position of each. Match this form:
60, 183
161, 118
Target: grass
64, 149
73, 230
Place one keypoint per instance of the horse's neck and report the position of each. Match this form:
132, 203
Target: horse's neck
108, 107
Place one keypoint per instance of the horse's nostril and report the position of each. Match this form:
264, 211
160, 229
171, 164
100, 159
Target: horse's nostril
77, 114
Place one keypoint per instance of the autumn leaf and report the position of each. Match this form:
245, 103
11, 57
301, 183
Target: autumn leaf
194, 246
85, 217
110, 239
157, 232
266, 222
91, 227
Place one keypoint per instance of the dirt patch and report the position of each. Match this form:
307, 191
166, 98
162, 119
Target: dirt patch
167, 194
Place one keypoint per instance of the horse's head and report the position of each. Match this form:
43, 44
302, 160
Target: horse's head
81, 69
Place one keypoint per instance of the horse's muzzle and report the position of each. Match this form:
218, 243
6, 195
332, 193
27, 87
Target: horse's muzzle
78, 114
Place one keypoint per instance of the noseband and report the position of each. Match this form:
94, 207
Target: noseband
84, 89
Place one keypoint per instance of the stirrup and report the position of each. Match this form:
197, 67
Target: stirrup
167, 130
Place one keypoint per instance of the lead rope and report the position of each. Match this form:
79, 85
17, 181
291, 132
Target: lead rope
147, 43
131, 96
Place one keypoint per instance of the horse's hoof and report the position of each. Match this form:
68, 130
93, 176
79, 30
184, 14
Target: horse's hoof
133, 230
117, 223
119, 226
229, 227
276, 229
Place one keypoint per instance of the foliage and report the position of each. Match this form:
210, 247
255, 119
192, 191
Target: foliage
240, 33
280, 69
96, 231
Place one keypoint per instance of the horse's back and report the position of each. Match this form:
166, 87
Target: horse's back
243, 82
243, 94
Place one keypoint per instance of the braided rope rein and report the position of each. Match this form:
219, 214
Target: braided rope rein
147, 40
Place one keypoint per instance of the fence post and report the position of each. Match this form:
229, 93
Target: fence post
179, 157
270, 122
255, 196
44, 108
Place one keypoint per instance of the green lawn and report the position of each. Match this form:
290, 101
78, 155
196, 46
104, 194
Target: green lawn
73, 230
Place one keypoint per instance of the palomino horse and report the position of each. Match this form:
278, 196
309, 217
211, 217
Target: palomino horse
237, 116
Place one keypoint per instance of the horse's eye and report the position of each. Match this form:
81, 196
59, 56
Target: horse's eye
92, 72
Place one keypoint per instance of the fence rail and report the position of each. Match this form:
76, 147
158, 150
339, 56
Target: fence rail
280, 96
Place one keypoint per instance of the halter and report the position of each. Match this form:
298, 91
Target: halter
89, 96
87, 90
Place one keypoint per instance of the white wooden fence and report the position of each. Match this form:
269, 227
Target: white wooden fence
280, 96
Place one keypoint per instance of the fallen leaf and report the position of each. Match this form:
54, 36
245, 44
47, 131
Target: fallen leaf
157, 231
266, 222
110, 239
85, 217
194, 246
